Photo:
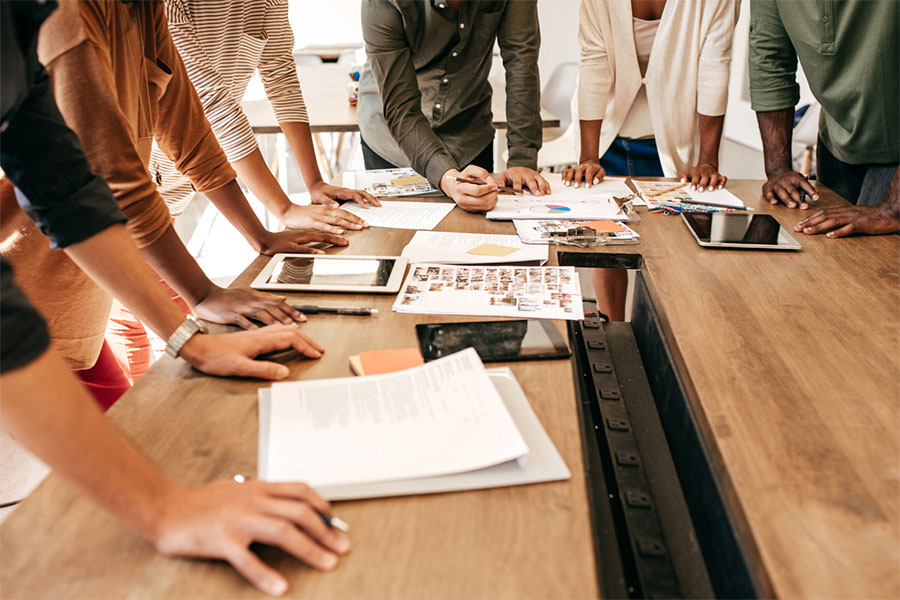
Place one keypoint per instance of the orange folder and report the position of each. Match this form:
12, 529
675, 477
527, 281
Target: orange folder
376, 362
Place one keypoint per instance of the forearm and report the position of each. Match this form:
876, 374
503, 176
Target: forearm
168, 257
775, 128
590, 140
255, 173
230, 200
111, 259
710, 137
45, 408
300, 138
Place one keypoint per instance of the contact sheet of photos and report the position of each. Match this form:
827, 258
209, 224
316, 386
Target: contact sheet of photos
535, 292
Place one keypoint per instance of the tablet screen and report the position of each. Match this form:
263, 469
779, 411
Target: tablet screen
738, 228
495, 341
318, 270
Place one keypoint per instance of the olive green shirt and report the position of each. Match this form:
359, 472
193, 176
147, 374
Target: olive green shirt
424, 96
850, 52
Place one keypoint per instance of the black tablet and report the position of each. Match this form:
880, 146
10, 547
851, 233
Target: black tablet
495, 341
739, 230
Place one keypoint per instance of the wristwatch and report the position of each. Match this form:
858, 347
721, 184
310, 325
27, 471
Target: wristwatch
180, 336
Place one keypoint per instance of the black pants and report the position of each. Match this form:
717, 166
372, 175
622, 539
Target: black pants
865, 185
485, 159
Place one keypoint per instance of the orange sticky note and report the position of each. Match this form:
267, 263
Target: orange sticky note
376, 362
492, 250
605, 226
408, 180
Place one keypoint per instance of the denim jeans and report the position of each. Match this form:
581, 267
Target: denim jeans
865, 185
632, 158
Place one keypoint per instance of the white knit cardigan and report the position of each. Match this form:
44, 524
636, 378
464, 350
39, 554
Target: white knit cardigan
687, 73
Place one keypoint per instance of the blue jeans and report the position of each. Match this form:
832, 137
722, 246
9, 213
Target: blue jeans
864, 185
632, 158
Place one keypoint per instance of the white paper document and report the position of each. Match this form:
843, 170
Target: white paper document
544, 462
506, 291
540, 232
661, 192
471, 249
402, 214
439, 418
388, 182
584, 204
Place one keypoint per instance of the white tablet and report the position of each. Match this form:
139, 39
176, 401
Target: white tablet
324, 273
739, 230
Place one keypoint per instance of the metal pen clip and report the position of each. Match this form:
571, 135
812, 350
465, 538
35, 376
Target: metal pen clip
626, 205
579, 236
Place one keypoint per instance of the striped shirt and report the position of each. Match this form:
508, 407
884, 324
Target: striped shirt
222, 43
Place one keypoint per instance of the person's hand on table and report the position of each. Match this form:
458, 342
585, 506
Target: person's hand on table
233, 354
520, 178
220, 520
321, 217
590, 172
238, 306
470, 196
293, 241
704, 177
786, 187
849, 220
328, 195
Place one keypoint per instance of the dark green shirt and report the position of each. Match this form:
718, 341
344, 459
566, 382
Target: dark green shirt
424, 97
850, 53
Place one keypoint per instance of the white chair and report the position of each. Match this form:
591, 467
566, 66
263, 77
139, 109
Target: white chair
804, 140
560, 147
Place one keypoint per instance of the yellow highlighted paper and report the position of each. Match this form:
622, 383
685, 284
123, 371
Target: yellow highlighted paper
492, 250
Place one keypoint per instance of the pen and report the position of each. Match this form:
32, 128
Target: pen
316, 310
714, 205
478, 182
333, 521
803, 196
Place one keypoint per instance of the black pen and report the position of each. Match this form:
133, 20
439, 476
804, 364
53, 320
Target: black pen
315, 310
333, 521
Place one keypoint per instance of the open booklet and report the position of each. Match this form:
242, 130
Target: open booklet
445, 425
389, 182
453, 248
565, 202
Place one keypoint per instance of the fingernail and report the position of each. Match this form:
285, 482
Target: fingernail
277, 587
282, 372
302, 318
710, 189
330, 561
596, 181
339, 231
342, 544
831, 235
566, 183
576, 185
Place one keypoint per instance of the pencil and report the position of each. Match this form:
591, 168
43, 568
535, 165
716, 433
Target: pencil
478, 182
715, 205
666, 190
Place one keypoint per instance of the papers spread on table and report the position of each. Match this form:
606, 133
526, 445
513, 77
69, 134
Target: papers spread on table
439, 418
660, 192
402, 214
533, 292
543, 232
582, 203
388, 182
470, 249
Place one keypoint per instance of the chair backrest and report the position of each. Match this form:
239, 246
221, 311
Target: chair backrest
558, 92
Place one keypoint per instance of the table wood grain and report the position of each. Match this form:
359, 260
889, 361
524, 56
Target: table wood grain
325, 93
791, 362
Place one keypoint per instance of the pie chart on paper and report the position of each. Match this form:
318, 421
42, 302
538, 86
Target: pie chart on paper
550, 209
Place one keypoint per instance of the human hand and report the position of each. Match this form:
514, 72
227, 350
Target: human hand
321, 217
292, 241
704, 177
233, 306
328, 195
220, 520
849, 220
589, 171
786, 187
519, 177
232, 354
471, 196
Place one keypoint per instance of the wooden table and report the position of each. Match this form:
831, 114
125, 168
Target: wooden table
790, 364
325, 93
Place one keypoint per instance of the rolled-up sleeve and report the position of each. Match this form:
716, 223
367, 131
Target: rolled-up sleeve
519, 38
59, 192
182, 131
594, 74
23, 332
391, 61
715, 59
773, 60
277, 68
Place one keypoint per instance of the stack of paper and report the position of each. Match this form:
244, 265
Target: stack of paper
402, 214
565, 202
533, 292
388, 182
470, 249
446, 425
539, 232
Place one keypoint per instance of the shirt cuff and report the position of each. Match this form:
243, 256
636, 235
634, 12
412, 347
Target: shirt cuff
522, 157
778, 98
436, 167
